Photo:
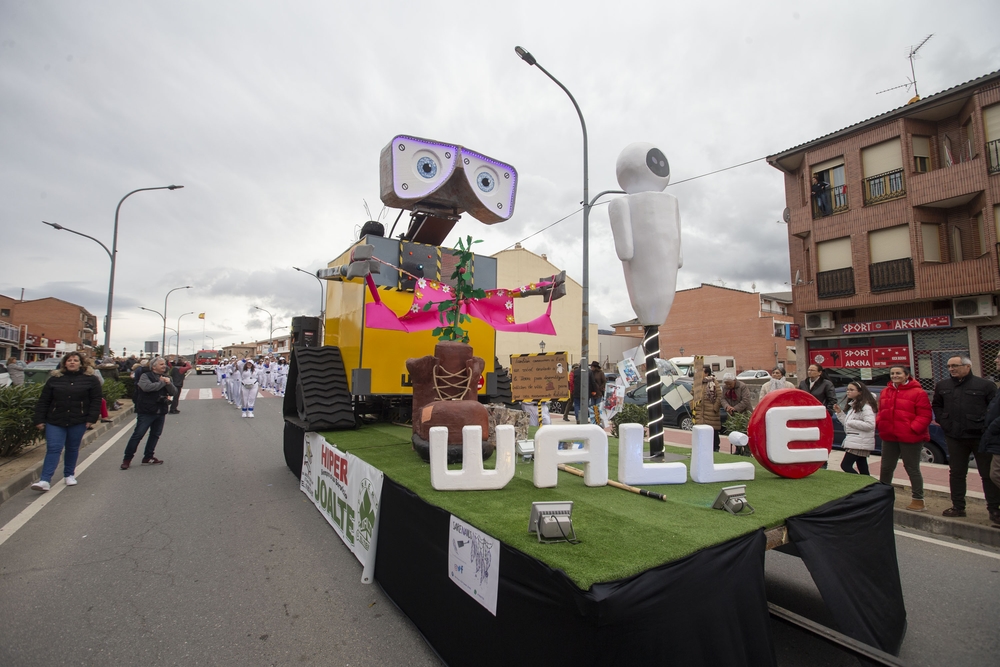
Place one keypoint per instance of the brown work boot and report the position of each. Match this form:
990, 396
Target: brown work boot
916, 506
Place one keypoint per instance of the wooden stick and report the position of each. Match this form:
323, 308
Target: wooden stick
618, 485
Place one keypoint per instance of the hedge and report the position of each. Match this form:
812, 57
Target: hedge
17, 412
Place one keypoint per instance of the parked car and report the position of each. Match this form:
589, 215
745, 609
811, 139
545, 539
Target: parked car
676, 418
754, 375
4, 376
935, 451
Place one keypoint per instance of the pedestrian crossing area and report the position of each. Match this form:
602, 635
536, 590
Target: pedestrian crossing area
216, 392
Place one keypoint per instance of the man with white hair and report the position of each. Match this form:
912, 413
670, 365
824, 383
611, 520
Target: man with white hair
960, 404
152, 400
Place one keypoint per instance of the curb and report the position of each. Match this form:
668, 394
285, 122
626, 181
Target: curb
936, 525
33, 472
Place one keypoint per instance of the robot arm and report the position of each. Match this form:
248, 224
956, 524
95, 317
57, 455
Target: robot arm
621, 228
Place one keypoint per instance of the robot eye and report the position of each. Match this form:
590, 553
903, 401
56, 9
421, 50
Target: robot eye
485, 181
427, 167
657, 163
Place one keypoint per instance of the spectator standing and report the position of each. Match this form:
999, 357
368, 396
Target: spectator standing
776, 382
859, 427
597, 389
178, 371
706, 410
736, 396
990, 442
960, 404
151, 404
904, 415
69, 404
569, 403
821, 388
16, 370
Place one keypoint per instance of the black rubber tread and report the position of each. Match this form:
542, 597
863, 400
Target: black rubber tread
320, 395
503, 394
293, 446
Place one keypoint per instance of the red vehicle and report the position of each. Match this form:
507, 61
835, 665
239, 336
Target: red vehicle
206, 360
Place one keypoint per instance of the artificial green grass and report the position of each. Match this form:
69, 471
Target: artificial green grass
621, 534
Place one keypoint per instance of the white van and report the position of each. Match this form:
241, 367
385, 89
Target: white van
719, 364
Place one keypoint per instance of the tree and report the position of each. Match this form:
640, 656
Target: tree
450, 312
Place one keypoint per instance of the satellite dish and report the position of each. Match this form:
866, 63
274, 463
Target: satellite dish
786, 215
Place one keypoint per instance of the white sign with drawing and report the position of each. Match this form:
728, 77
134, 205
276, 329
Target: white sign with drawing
474, 563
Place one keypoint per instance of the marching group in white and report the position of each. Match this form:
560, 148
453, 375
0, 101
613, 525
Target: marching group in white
241, 378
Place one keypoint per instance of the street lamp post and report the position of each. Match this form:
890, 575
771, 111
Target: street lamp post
114, 255
179, 331
524, 55
322, 299
270, 341
165, 314
213, 342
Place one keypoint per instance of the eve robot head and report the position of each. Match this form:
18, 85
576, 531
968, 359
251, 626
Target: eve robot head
642, 167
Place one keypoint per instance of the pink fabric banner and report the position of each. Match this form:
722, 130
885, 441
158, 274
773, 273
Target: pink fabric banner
496, 309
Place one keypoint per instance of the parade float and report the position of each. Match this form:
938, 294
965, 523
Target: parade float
593, 552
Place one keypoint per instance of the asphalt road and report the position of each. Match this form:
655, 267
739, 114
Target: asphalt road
213, 558
216, 558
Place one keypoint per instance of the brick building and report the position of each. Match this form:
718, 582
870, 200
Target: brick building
714, 320
48, 327
894, 251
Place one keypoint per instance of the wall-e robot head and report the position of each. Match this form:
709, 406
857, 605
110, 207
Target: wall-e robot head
437, 182
642, 167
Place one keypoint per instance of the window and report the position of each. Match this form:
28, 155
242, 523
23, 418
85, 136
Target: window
921, 154
979, 225
883, 167
932, 241
996, 220
829, 189
886, 245
991, 123
956, 245
4, 312
968, 141
833, 255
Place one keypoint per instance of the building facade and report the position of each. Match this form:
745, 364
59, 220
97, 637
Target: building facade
45, 328
892, 237
714, 320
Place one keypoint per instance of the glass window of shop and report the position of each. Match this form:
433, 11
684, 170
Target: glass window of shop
933, 348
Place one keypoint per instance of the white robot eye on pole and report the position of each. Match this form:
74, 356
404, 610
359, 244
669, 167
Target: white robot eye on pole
646, 225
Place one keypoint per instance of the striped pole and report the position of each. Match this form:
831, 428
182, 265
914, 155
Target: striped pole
651, 348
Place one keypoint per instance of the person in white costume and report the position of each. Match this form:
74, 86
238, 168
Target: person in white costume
646, 224
281, 377
234, 383
259, 368
248, 388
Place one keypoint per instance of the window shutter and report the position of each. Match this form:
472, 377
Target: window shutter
921, 146
835, 254
883, 157
991, 119
889, 244
932, 241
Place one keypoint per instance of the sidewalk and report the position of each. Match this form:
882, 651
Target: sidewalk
21, 471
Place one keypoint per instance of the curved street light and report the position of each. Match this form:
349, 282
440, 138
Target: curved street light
524, 55
114, 255
270, 342
165, 314
179, 330
322, 298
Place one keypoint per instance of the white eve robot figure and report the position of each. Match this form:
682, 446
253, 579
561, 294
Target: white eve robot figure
646, 224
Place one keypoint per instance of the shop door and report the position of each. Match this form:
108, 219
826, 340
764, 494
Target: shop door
932, 349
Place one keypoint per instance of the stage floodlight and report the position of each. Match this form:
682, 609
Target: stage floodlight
552, 521
733, 499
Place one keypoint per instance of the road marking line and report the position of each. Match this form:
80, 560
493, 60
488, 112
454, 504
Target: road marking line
184, 394
942, 543
204, 393
34, 508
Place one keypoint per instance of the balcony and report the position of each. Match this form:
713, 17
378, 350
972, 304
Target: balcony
834, 201
836, 283
993, 157
896, 274
883, 187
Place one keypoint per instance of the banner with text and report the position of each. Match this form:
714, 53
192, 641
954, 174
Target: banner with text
347, 492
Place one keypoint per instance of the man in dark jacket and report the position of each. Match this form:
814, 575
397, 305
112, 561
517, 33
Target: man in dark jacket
960, 404
178, 371
152, 400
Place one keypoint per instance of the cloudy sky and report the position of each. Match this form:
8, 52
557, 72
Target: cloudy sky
272, 115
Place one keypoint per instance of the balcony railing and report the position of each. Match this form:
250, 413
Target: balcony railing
896, 274
993, 157
834, 200
883, 187
831, 284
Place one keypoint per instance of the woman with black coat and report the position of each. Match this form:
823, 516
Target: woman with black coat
69, 404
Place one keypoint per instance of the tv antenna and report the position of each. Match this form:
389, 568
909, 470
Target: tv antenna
912, 79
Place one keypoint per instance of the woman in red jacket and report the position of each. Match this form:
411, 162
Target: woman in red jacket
904, 414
